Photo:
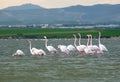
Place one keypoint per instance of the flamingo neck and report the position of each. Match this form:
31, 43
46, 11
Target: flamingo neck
88, 42
30, 46
46, 42
91, 40
99, 38
75, 41
79, 39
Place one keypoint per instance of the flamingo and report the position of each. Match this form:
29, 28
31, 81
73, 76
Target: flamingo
77, 47
50, 48
101, 46
82, 47
88, 47
94, 48
71, 48
63, 49
18, 53
36, 52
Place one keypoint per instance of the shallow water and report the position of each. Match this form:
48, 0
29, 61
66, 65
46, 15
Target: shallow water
71, 68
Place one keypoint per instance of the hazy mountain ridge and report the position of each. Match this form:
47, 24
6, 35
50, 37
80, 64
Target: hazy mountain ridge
34, 14
24, 7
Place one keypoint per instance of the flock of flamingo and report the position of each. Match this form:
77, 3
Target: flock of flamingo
89, 48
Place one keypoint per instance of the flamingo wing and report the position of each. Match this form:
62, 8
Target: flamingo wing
102, 47
64, 49
81, 48
51, 48
42, 52
70, 47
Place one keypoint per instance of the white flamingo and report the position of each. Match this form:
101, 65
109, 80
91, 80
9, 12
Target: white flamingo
82, 47
77, 47
94, 48
63, 49
50, 48
88, 47
101, 46
35, 51
18, 53
71, 48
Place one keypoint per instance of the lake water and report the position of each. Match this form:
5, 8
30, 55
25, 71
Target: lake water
71, 68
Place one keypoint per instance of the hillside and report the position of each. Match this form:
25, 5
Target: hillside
34, 14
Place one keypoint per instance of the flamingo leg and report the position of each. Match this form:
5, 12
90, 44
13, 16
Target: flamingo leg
65, 54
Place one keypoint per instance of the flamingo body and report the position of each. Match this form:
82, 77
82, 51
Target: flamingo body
18, 53
63, 49
102, 47
88, 50
71, 48
50, 48
35, 51
82, 47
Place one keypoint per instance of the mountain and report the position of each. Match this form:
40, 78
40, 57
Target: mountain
34, 14
24, 7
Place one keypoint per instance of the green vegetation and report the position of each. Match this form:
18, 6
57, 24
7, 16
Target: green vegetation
55, 33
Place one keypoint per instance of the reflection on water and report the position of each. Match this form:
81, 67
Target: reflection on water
72, 68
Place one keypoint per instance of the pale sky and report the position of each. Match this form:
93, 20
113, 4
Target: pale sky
55, 3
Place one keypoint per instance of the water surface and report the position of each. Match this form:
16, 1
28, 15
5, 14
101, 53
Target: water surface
72, 68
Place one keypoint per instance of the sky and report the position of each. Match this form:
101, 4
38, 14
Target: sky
55, 3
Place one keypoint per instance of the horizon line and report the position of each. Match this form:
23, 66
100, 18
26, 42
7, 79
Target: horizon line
57, 7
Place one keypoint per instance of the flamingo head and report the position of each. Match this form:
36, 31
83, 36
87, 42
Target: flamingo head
88, 35
79, 34
74, 35
45, 37
29, 41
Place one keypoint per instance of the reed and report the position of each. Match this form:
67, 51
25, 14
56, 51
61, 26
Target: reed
56, 32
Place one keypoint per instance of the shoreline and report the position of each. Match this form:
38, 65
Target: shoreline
59, 38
